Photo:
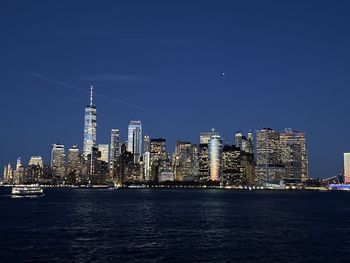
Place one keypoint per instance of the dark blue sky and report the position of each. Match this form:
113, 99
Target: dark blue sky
287, 64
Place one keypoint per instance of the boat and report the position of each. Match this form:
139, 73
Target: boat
27, 190
339, 187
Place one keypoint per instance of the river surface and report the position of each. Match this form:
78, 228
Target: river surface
157, 225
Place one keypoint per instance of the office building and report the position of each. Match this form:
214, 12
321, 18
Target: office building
215, 148
58, 160
114, 153
347, 168
36, 160
90, 125
135, 139
269, 165
103, 152
294, 154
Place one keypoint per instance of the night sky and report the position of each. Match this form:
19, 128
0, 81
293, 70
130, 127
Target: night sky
181, 67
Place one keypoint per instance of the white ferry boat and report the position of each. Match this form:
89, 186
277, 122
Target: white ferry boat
27, 190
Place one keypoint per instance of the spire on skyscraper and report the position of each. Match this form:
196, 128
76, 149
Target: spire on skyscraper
91, 93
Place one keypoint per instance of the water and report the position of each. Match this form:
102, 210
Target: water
81, 225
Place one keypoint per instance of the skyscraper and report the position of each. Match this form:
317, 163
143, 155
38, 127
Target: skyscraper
347, 168
8, 174
268, 156
215, 148
135, 139
147, 157
238, 139
103, 152
183, 161
114, 153
89, 127
58, 160
158, 155
146, 143
74, 164
36, 160
204, 137
294, 154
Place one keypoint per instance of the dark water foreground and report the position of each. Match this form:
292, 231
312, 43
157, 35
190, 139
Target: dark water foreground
73, 225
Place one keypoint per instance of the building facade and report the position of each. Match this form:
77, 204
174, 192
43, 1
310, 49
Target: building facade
90, 125
294, 154
347, 168
58, 160
135, 139
215, 148
114, 153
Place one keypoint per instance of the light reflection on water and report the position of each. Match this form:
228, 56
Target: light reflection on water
174, 226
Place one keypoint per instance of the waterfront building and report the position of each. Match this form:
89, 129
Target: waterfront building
128, 170
195, 162
36, 160
19, 175
183, 161
90, 125
114, 153
33, 174
58, 160
346, 168
231, 165
203, 156
157, 155
215, 148
74, 165
8, 174
147, 166
135, 139
294, 154
269, 165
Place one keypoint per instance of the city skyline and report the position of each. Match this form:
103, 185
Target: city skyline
279, 157
135, 141
236, 67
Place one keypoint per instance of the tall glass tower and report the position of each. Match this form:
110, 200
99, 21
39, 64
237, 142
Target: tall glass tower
89, 127
135, 139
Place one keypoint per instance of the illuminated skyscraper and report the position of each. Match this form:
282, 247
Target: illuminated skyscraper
183, 161
238, 139
158, 156
147, 158
74, 164
146, 143
18, 163
135, 139
89, 127
347, 168
114, 153
215, 148
58, 160
36, 160
294, 154
103, 152
8, 174
204, 137
269, 165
